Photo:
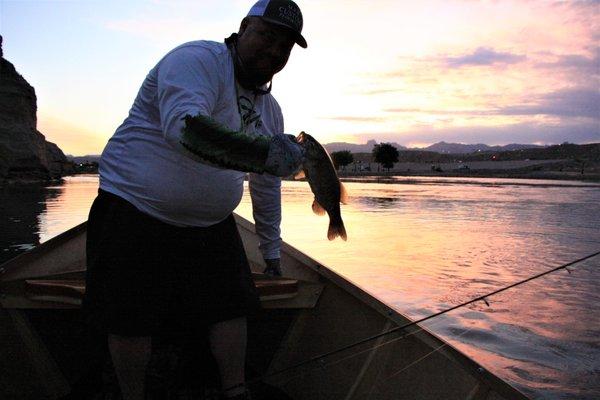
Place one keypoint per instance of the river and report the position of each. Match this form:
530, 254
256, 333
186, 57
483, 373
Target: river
423, 245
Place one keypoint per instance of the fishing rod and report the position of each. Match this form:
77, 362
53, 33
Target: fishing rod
412, 323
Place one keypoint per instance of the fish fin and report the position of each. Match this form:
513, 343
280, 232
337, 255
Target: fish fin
343, 194
317, 208
336, 230
300, 175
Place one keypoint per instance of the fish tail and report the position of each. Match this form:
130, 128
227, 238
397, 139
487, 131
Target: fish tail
336, 228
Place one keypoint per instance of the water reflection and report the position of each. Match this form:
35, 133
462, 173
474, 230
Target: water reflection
33, 213
20, 206
68, 205
429, 245
379, 202
489, 182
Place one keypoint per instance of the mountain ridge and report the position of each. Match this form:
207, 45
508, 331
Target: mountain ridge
441, 147
357, 148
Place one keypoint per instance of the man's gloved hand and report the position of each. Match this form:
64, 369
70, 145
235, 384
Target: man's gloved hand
273, 267
285, 156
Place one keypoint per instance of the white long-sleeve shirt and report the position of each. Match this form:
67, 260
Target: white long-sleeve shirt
145, 164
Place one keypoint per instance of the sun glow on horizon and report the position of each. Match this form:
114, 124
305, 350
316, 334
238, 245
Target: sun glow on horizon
71, 138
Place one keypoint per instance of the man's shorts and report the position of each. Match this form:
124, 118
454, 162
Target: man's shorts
144, 275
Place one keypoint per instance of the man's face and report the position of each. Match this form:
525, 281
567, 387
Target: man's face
264, 48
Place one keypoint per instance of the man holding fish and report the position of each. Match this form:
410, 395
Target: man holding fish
163, 249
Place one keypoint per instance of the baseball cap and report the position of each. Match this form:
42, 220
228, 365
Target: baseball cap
281, 12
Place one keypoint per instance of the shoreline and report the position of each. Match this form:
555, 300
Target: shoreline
503, 174
516, 169
557, 170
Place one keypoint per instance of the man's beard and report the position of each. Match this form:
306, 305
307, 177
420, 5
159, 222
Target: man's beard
249, 78
252, 78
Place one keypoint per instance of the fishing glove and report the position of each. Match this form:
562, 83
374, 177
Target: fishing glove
279, 155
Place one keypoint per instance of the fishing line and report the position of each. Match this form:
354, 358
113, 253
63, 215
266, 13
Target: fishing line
409, 324
427, 355
323, 366
403, 336
480, 298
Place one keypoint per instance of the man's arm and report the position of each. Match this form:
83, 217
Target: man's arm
279, 155
265, 192
187, 84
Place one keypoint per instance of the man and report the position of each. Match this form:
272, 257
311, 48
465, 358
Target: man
162, 242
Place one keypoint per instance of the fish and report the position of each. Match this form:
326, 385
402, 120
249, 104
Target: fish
319, 171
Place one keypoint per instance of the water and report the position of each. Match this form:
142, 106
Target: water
423, 245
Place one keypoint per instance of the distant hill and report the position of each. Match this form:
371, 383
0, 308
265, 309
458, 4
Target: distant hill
357, 148
440, 147
566, 151
459, 148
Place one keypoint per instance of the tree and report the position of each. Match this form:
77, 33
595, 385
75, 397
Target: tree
385, 154
342, 158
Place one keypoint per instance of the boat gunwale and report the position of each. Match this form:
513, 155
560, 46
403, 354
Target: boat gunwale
35, 253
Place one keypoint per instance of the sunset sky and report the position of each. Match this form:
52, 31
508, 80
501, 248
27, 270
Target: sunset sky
415, 73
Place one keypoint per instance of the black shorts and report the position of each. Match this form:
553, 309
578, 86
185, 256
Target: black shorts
144, 275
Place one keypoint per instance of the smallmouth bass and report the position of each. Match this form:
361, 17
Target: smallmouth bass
320, 173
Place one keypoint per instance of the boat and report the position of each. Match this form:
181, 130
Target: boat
294, 344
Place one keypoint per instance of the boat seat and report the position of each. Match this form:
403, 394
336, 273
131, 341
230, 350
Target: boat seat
71, 291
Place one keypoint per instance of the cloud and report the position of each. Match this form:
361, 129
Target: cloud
572, 102
354, 119
484, 56
580, 64
378, 91
584, 6
440, 111
565, 103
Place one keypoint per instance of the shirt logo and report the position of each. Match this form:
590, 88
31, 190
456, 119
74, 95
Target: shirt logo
250, 118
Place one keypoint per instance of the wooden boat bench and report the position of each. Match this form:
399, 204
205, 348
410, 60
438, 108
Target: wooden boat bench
274, 292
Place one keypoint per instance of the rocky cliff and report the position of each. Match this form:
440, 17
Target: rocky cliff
24, 152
